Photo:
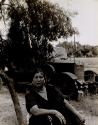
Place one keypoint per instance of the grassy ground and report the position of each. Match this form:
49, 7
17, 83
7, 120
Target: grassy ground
88, 107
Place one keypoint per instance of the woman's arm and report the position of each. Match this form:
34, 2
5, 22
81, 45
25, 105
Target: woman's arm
35, 110
74, 111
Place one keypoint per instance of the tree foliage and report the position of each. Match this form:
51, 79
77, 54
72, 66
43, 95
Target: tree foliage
49, 20
31, 28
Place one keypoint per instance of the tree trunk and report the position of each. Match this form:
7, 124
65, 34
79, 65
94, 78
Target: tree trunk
10, 84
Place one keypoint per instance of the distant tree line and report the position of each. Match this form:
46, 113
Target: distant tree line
79, 50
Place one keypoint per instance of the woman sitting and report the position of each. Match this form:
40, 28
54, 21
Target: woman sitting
47, 106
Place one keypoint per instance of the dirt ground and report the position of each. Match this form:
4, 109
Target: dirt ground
88, 107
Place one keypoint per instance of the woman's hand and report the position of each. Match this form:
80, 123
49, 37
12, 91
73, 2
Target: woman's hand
60, 117
80, 119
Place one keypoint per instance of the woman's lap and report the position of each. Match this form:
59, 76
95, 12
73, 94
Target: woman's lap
39, 120
43, 120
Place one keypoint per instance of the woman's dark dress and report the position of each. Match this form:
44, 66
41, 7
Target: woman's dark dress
55, 101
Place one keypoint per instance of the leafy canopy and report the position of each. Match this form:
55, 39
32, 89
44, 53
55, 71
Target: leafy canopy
31, 29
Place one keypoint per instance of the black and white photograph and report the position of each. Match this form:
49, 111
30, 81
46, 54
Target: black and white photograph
48, 62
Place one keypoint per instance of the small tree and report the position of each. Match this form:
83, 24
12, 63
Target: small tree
10, 83
31, 30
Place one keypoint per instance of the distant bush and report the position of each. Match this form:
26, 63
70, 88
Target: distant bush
79, 50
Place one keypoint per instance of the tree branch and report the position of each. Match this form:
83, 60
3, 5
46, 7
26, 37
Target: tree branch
10, 84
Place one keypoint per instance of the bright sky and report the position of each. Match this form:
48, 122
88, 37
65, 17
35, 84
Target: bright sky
86, 21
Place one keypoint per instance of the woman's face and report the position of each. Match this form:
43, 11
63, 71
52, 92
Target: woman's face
38, 80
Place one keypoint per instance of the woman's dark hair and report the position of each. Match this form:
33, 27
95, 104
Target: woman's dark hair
47, 70
37, 70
